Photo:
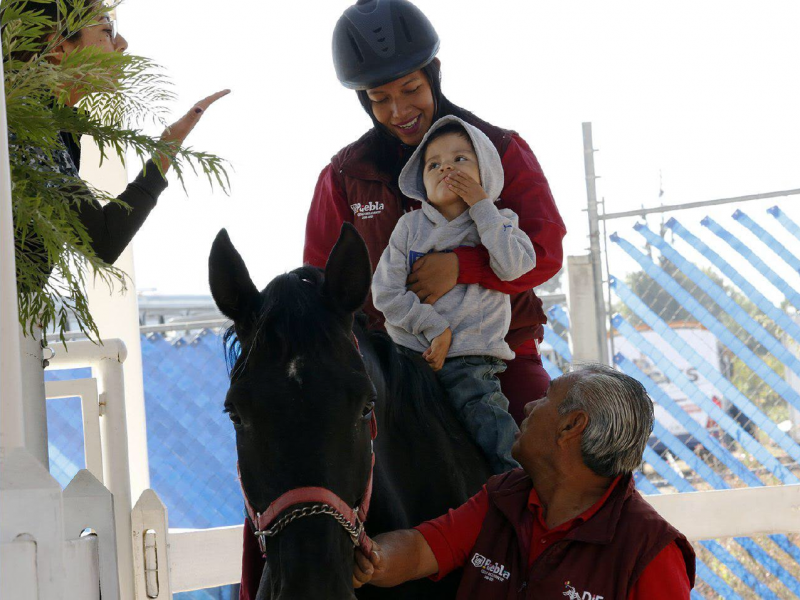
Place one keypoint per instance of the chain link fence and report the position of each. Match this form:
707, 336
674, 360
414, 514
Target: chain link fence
702, 308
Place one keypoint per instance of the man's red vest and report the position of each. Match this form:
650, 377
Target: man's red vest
600, 559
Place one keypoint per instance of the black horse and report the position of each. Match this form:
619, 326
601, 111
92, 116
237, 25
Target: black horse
301, 399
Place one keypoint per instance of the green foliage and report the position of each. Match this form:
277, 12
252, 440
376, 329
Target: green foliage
120, 93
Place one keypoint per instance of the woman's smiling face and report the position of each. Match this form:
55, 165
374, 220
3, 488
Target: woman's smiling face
405, 107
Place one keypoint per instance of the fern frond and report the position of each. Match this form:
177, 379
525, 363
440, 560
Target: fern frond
121, 94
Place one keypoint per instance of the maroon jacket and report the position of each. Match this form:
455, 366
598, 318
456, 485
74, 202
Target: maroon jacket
354, 189
603, 556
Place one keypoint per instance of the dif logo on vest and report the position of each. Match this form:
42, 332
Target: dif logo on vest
491, 571
572, 594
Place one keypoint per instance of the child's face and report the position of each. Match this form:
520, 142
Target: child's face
443, 156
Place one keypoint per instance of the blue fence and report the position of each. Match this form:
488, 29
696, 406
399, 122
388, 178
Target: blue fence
705, 318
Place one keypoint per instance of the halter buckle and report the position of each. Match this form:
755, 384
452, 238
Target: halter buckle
261, 535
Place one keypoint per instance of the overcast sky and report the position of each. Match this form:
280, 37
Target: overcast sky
703, 95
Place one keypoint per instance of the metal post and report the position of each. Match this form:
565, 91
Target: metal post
581, 300
12, 424
594, 241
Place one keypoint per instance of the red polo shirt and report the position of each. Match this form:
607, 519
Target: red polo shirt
452, 536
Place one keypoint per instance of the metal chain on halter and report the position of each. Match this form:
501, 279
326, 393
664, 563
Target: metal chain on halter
308, 511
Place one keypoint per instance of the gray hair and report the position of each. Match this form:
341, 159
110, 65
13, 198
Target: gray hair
620, 418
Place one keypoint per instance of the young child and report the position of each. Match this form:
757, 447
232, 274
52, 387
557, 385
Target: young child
457, 175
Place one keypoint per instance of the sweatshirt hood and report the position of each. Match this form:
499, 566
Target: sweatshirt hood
489, 164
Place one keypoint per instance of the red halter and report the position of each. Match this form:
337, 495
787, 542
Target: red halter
267, 524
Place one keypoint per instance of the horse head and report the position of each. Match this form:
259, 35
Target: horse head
301, 404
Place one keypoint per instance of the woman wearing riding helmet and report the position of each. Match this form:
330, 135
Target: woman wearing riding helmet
385, 50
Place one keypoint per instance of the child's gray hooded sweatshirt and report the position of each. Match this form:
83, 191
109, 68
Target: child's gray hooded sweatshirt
478, 317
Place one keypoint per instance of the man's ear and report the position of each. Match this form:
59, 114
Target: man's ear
571, 426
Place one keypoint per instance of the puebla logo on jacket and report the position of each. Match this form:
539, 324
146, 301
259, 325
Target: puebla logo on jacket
491, 571
368, 210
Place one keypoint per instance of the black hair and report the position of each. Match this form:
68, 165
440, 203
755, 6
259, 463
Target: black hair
59, 22
448, 129
52, 10
388, 152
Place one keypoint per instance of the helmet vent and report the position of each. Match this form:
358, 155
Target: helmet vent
381, 39
406, 30
378, 30
356, 49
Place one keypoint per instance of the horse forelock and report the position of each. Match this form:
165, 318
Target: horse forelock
292, 321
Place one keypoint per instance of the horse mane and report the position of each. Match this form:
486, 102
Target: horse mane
290, 322
411, 385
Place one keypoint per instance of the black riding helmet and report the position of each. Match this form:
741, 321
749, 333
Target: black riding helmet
378, 41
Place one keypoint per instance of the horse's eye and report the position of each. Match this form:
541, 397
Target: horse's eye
368, 408
235, 419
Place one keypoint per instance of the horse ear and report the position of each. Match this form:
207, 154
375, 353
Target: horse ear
231, 287
348, 273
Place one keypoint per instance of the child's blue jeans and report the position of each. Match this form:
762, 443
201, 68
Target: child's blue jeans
474, 392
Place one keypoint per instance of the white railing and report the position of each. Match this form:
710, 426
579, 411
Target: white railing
73, 543
207, 558
106, 451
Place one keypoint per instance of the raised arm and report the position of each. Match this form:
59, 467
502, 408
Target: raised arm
400, 307
112, 227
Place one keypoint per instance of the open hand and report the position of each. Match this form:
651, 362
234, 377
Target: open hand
469, 190
366, 569
178, 131
440, 346
433, 275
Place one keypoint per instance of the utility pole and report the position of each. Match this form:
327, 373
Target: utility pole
594, 243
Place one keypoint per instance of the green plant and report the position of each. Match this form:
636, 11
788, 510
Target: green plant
120, 93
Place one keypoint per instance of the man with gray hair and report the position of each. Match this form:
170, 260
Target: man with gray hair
569, 523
